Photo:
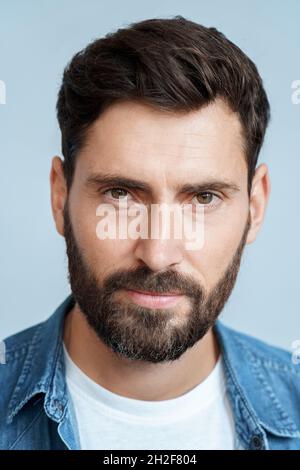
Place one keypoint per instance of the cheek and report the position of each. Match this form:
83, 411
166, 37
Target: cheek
221, 240
102, 255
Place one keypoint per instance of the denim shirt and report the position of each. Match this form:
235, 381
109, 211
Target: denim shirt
36, 412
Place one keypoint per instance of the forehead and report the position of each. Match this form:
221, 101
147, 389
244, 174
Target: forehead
141, 141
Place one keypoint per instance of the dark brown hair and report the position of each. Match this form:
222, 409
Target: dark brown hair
172, 64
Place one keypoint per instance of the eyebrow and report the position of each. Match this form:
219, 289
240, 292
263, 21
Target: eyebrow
108, 179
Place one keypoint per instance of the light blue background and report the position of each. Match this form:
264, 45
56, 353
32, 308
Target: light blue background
37, 39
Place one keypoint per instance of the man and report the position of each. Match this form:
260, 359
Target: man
165, 111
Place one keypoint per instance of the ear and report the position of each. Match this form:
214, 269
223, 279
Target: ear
58, 193
259, 197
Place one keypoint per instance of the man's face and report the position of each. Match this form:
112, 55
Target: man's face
165, 155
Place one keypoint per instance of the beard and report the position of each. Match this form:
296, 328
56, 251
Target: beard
140, 333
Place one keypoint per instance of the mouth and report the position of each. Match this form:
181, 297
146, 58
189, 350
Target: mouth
154, 300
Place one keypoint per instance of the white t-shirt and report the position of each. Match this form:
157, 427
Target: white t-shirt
199, 419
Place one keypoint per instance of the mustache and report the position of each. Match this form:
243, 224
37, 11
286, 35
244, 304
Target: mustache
144, 279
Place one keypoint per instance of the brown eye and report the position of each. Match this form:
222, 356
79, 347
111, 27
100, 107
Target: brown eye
204, 198
118, 193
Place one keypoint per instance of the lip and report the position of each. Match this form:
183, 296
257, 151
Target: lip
152, 300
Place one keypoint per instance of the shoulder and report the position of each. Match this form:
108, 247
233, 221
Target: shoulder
15, 350
15, 375
16, 347
30, 360
267, 373
34, 345
263, 351
18, 343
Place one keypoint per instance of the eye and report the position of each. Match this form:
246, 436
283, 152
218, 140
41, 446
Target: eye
206, 198
117, 193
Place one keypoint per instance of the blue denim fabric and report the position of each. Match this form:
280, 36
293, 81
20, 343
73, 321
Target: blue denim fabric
36, 413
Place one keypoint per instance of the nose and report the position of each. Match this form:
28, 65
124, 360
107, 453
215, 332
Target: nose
163, 246
158, 254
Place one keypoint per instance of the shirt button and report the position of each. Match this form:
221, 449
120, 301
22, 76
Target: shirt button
256, 442
58, 405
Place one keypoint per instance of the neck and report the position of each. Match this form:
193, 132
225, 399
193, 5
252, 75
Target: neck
140, 380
